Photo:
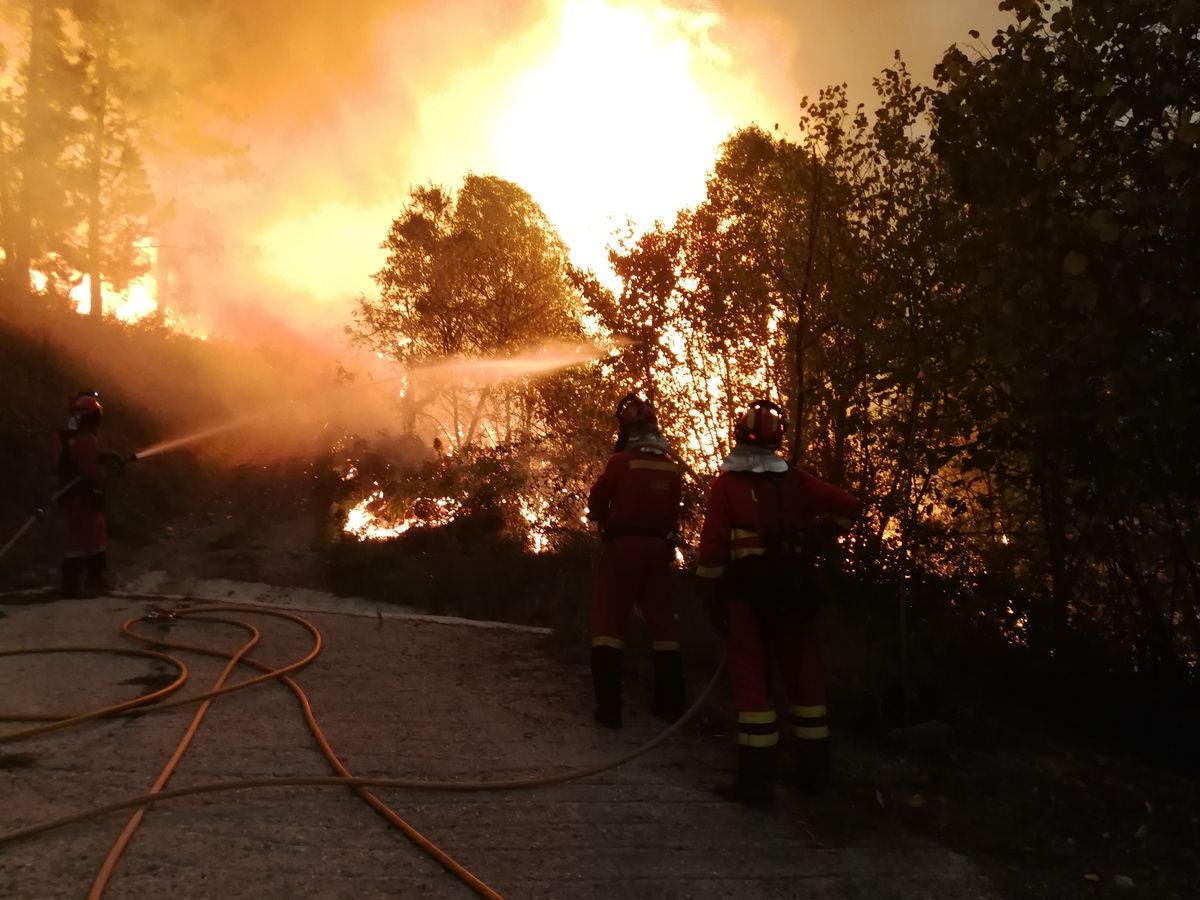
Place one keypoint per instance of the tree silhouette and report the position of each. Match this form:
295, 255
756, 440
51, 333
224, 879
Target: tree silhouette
1073, 147
479, 273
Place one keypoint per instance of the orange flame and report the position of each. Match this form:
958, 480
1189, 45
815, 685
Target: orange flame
365, 525
133, 304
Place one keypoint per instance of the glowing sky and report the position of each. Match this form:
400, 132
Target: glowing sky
602, 109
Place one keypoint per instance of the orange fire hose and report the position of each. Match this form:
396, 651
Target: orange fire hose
344, 779
531, 781
374, 802
37, 515
65, 720
118, 847
140, 705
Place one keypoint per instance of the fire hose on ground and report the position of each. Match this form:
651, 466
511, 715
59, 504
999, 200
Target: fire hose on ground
142, 705
148, 703
35, 515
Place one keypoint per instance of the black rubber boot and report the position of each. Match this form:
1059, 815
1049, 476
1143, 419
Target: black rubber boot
755, 784
73, 570
607, 663
669, 701
812, 765
96, 574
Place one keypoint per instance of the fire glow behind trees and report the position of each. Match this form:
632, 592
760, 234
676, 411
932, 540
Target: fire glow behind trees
947, 357
282, 138
976, 296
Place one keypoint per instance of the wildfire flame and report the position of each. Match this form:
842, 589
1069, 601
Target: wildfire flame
137, 302
535, 511
607, 111
364, 524
617, 121
131, 305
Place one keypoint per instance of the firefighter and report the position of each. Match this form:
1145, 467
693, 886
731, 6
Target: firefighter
635, 503
81, 465
764, 527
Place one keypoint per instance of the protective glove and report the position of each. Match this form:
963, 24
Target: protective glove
115, 463
826, 529
819, 539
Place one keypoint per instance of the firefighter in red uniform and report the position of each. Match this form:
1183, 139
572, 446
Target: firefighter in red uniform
635, 503
81, 465
757, 576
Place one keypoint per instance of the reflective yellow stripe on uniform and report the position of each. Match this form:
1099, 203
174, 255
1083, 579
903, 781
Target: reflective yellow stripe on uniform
758, 729
809, 722
603, 641
813, 733
757, 718
758, 740
653, 464
744, 542
809, 712
710, 571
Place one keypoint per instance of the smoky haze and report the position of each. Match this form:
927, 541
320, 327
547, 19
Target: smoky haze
284, 123
292, 132
283, 138
227, 402
820, 42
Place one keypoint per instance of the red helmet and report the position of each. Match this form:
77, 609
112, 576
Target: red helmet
633, 410
85, 402
763, 424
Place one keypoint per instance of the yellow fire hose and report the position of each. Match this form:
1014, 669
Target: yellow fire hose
140, 705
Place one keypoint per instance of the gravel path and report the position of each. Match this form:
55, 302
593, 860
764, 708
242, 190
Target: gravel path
405, 697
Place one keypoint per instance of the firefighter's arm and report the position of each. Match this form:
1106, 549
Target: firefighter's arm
114, 462
601, 495
832, 509
714, 556
714, 539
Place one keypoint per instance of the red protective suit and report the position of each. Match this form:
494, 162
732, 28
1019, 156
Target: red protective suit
82, 507
744, 509
636, 504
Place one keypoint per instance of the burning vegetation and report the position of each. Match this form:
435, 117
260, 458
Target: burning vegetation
813, 271
974, 296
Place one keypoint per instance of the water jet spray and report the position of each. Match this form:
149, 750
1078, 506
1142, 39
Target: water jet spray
486, 371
